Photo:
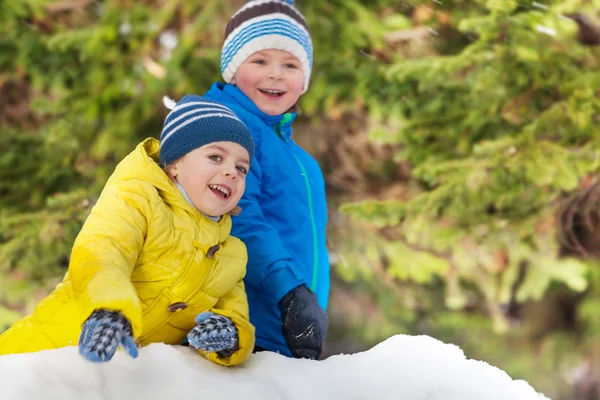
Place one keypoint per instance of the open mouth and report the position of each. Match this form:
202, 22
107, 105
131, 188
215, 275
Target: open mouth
220, 191
272, 92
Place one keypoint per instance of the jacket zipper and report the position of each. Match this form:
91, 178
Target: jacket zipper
313, 285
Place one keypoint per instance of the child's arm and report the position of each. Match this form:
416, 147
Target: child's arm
270, 268
234, 305
270, 265
106, 250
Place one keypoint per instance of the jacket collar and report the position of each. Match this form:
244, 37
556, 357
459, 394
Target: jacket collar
282, 123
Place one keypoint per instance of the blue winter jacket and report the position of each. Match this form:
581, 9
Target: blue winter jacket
283, 218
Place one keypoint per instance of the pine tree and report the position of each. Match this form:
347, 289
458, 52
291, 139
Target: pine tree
496, 132
495, 109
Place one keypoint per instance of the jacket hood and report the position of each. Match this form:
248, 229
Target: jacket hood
142, 164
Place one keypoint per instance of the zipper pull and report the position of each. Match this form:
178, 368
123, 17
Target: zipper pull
279, 127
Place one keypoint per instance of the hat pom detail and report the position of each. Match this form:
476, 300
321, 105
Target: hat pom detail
168, 102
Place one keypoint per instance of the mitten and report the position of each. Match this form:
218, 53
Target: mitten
215, 333
304, 323
102, 333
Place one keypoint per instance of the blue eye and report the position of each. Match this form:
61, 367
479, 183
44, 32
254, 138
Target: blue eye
290, 66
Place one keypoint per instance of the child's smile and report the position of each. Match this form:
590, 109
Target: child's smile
222, 191
272, 93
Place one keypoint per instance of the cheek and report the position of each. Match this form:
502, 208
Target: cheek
296, 82
192, 182
247, 79
241, 189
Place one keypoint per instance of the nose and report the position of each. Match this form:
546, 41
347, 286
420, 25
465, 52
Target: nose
275, 72
230, 171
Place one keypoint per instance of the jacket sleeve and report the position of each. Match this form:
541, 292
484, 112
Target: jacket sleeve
106, 250
234, 305
270, 265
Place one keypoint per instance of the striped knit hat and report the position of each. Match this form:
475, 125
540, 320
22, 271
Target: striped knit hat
196, 121
262, 25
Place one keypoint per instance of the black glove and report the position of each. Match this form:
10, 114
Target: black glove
304, 323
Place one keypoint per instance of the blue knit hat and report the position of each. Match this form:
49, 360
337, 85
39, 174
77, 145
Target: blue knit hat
196, 121
266, 24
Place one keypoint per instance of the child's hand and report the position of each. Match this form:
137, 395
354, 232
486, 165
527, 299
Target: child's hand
214, 333
304, 323
102, 333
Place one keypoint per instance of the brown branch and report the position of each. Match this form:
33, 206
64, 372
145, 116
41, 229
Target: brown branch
406, 35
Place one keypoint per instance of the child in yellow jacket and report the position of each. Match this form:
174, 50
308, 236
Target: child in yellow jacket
154, 261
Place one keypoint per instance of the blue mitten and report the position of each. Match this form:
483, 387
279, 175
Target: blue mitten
214, 333
102, 333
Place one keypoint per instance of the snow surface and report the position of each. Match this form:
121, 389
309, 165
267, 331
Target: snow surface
402, 367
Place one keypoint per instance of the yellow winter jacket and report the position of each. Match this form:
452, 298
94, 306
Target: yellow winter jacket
145, 251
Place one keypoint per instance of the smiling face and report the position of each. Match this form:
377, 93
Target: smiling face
272, 79
213, 176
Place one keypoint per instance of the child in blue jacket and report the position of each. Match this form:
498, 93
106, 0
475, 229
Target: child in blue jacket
266, 61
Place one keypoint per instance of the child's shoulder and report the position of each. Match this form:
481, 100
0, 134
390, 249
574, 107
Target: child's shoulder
254, 124
235, 248
229, 97
138, 176
137, 193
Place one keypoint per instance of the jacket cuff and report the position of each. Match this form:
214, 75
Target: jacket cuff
281, 281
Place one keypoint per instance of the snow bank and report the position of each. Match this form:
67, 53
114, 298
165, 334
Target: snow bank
402, 367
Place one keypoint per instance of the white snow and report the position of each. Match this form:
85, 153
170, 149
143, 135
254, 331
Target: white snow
402, 367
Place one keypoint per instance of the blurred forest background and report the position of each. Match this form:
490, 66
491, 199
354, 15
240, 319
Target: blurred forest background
460, 140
